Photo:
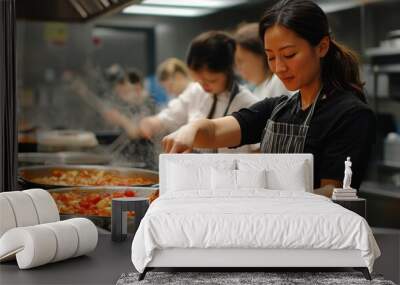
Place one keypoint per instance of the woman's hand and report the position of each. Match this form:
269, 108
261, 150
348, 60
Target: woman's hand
180, 141
204, 133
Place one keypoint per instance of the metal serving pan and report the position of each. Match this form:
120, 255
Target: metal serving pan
67, 157
101, 221
26, 174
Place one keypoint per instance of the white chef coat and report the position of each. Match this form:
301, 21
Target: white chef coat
271, 87
194, 104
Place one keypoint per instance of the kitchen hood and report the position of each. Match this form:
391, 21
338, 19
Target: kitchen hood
68, 10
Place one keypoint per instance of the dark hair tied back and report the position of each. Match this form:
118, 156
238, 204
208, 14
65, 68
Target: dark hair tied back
304, 17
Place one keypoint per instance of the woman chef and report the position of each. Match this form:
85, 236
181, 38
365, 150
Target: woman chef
328, 117
215, 94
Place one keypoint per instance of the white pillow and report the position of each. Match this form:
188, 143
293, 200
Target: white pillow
293, 180
223, 179
183, 177
251, 178
227, 179
193, 174
280, 174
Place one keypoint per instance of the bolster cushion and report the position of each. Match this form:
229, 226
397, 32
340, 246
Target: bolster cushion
26, 208
40, 244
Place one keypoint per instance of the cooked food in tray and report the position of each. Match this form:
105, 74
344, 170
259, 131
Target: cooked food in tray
96, 202
90, 177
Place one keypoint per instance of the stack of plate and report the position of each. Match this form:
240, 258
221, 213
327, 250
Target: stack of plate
64, 140
70, 157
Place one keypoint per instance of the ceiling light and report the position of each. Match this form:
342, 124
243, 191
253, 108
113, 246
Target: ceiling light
166, 11
195, 3
338, 6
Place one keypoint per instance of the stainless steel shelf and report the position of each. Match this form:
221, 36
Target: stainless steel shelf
389, 165
387, 68
380, 189
382, 51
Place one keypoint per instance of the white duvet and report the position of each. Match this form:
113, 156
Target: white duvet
250, 219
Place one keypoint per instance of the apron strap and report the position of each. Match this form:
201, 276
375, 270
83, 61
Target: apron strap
234, 92
279, 107
306, 122
310, 114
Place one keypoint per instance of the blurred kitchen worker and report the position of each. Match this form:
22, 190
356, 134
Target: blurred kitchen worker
215, 94
133, 99
132, 103
251, 63
173, 75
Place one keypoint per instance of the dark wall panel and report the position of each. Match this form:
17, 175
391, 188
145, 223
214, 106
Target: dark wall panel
8, 137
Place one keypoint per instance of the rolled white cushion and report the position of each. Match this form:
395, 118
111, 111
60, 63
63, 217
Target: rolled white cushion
87, 235
40, 244
45, 205
23, 208
66, 237
7, 217
33, 246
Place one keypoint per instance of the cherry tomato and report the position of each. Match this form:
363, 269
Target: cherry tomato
57, 173
63, 198
93, 198
84, 204
129, 193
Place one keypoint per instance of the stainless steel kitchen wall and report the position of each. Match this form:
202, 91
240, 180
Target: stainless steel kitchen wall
47, 54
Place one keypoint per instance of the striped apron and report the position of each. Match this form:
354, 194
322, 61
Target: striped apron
283, 137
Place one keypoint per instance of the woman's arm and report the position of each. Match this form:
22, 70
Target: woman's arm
204, 133
150, 126
116, 118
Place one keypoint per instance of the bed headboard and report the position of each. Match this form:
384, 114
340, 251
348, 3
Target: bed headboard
293, 167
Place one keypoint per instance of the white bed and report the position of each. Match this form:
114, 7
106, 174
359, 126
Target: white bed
241, 210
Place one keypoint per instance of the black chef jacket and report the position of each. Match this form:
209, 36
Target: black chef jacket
342, 125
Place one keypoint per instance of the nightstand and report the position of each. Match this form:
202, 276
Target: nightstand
357, 205
120, 208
